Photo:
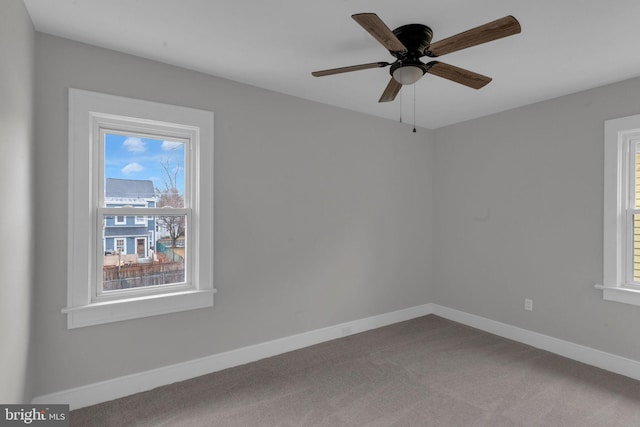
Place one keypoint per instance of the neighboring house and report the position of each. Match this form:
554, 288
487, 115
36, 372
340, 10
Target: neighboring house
129, 234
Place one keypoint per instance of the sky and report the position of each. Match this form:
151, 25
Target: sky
130, 157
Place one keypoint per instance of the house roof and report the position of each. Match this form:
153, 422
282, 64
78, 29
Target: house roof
129, 188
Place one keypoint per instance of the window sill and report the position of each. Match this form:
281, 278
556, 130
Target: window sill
134, 308
622, 295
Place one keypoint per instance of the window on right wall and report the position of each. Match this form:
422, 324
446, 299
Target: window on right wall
621, 278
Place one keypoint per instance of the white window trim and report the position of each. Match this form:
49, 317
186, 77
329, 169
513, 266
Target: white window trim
83, 309
619, 134
124, 244
145, 245
140, 220
117, 222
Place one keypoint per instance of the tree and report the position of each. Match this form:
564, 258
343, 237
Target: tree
170, 196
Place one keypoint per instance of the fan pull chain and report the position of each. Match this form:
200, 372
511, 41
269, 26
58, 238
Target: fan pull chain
401, 105
414, 108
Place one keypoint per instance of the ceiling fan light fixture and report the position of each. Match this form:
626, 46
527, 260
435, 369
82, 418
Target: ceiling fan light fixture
408, 74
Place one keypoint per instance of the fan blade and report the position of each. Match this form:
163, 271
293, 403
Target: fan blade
374, 26
458, 75
348, 69
390, 92
494, 30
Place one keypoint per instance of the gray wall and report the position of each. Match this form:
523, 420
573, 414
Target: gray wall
16, 173
519, 213
322, 216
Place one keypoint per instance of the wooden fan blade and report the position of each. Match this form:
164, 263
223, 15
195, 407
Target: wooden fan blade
494, 30
390, 92
374, 26
348, 69
458, 75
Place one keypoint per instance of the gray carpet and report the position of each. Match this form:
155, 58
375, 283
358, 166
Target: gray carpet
424, 372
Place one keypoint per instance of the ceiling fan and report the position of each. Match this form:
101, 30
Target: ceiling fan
409, 43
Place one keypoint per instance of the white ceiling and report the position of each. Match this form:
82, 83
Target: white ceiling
565, 46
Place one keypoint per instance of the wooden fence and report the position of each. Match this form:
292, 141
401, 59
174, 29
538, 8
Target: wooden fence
137, 275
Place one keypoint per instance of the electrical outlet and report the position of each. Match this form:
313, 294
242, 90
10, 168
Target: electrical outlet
528, 304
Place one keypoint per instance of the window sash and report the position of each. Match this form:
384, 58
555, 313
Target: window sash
629, 197
109, 124
97, 288
630, 243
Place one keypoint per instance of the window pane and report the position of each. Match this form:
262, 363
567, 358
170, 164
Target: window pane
120, 246
636, 248
636, 178
143, 172
636, 218
138, 255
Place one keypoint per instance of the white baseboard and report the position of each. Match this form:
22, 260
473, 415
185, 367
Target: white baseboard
104, 391
580, 353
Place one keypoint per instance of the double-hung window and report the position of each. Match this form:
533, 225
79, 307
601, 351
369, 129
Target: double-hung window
621, 281
140, 237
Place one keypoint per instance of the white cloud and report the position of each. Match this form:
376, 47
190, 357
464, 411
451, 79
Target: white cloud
170, 145
135, 145
132, 168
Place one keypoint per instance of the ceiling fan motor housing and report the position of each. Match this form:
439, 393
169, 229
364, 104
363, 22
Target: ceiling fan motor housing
416, 38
